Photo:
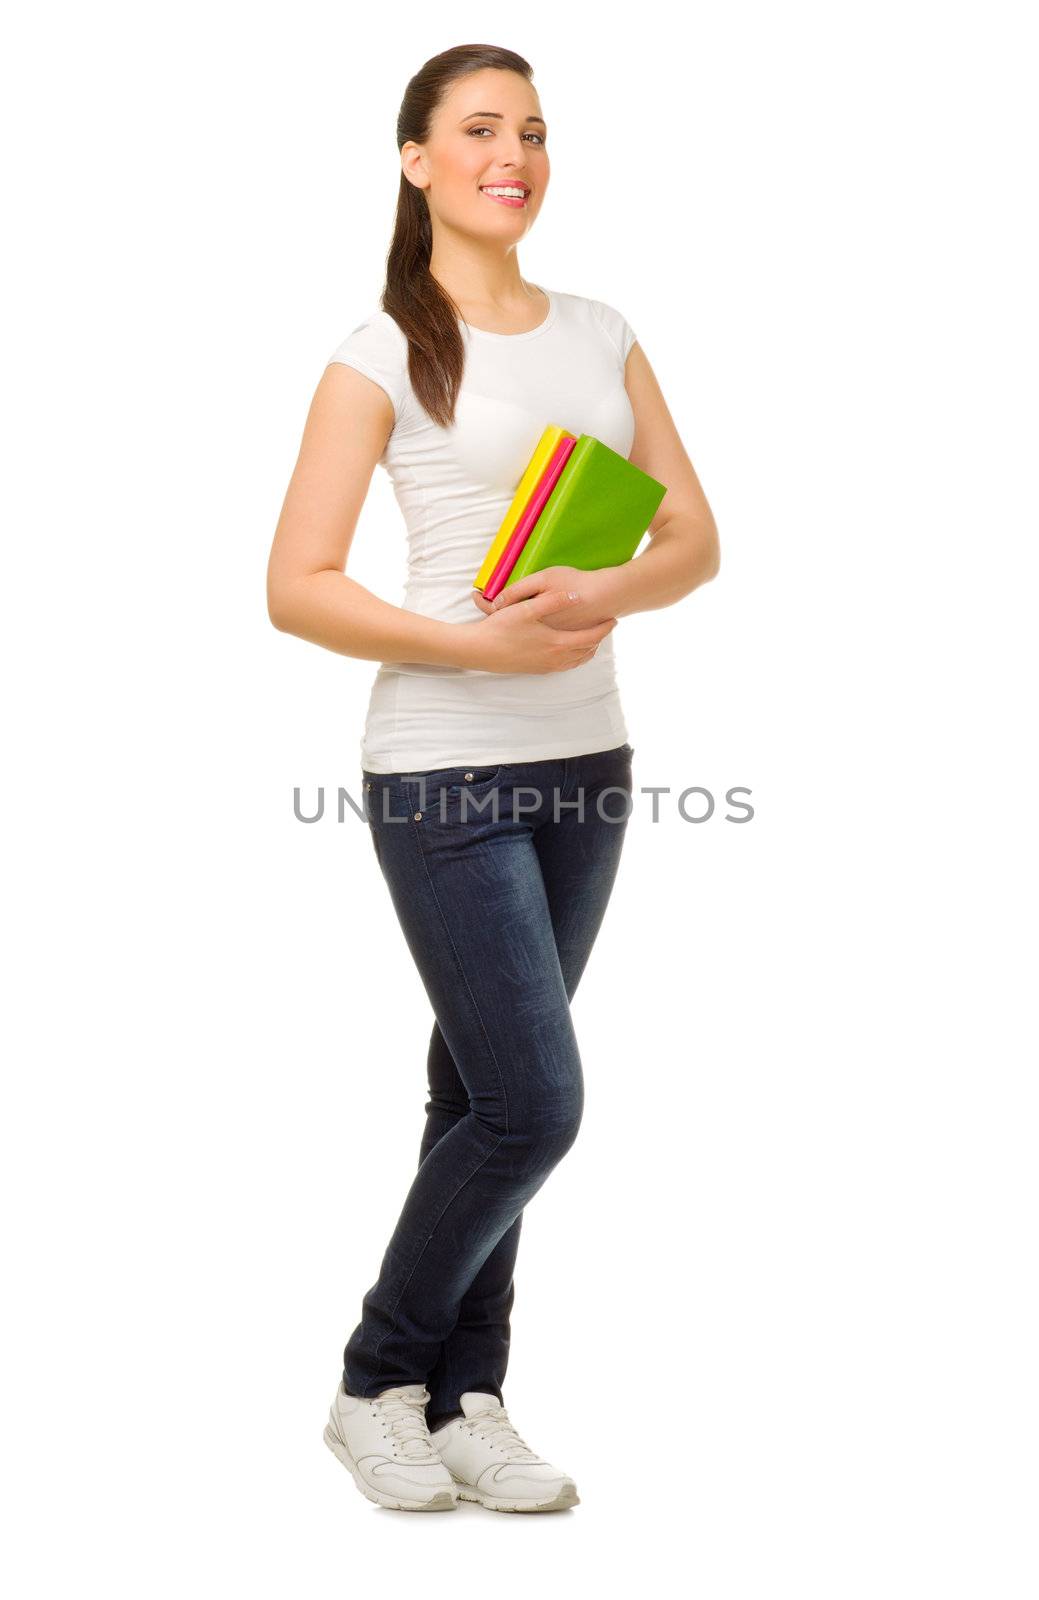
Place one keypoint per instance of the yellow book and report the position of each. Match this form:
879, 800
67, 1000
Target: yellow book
528, 483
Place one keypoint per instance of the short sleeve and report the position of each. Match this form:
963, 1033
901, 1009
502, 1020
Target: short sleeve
378, 348
617, 329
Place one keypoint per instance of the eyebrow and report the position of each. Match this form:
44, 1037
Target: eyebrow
500, 118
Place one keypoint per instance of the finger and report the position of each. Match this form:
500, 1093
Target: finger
522, 589
550, 600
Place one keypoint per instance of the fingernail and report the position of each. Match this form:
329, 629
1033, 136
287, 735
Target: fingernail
572, 594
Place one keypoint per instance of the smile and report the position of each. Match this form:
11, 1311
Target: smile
506, 194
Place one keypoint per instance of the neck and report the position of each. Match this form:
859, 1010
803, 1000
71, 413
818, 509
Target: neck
480, 280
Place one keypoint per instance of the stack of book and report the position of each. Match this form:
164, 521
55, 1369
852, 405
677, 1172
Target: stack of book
578, 504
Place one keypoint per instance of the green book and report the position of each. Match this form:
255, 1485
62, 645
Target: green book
595, 516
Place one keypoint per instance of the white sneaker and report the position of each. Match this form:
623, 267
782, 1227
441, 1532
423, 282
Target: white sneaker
385, 1444
491, 1464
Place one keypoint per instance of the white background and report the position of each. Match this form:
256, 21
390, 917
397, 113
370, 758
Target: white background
776, 1311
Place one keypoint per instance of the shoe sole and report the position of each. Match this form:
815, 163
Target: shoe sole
567, 1496
443, 1500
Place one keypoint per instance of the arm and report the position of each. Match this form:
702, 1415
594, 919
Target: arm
683, 551
308, 591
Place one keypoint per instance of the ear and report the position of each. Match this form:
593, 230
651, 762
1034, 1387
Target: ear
413, 164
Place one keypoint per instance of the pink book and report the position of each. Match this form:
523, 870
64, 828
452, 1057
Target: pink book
507, 560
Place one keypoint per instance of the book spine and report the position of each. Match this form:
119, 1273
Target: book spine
527, 521
535, 471
560, 497
505, 563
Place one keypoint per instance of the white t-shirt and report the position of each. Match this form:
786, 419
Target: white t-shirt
454, 486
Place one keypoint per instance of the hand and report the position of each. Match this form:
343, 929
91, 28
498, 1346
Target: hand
530, 636
592, 588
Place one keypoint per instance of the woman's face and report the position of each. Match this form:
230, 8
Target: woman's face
487, 131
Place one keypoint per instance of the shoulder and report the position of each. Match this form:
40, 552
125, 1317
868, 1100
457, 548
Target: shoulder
603, 319
378, 333
378, 348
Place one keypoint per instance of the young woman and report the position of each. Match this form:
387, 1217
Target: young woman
496, 770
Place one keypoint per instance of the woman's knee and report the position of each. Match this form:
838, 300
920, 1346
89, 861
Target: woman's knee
541, 1140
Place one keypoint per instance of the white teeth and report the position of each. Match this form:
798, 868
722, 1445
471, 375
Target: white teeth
516, 194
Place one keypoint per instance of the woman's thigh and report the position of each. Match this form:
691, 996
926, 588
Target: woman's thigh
580, 854
470, 895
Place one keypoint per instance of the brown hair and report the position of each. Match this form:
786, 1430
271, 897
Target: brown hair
423, 310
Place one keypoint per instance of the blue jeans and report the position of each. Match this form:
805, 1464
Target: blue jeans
500, 885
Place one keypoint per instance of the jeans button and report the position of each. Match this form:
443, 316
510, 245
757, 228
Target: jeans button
468, 776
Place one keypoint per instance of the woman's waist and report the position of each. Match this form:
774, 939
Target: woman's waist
463, 687
416, 723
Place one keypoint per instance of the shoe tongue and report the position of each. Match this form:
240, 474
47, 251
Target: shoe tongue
407, 1391
471, 1402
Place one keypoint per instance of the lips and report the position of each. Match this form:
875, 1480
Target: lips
511, 202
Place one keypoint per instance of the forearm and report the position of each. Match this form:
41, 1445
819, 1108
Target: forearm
330, 609
681, 556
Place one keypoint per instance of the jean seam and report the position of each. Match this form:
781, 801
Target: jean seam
428, 1240
461, 972
476, 1010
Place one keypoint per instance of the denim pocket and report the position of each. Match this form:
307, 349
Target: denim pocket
452, 780
441, 793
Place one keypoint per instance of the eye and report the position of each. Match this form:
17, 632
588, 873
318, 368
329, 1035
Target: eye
529, 135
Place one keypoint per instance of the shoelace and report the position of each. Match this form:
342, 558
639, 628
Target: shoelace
405, 1417
495, 1427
